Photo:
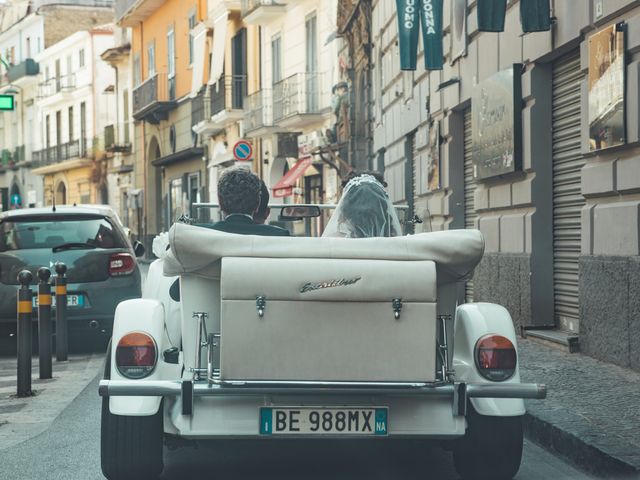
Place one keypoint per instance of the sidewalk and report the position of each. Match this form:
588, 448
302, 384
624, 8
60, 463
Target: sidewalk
24, 418
591, 414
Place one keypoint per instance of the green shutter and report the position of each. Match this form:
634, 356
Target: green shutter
408, 32
491, 14
535, 15
431, 20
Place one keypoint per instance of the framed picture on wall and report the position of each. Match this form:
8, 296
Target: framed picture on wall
606, 88
434, 166
458, 29
496, 124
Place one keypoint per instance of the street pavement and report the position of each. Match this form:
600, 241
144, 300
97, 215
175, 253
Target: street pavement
592, 411
70, 450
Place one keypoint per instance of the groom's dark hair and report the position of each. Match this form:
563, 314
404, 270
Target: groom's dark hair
238, 191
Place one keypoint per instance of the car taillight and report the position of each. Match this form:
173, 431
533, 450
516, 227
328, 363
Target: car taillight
496, 358
121, 264
136, 355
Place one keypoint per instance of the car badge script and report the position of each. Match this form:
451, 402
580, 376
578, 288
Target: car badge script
342, 282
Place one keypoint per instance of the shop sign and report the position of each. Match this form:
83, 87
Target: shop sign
496, 119
606, 88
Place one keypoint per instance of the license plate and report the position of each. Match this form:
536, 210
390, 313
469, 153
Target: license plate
72, 301
323, 421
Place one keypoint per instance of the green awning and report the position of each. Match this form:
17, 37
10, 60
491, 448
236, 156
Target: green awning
491, 14
431, 20
535, 15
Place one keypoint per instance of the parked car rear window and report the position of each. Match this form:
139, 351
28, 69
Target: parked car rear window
43, 232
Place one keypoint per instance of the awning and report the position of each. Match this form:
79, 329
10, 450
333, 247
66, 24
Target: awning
284, 187
219, 42
199, 54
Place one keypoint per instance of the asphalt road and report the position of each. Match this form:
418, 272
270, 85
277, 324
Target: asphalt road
70, 449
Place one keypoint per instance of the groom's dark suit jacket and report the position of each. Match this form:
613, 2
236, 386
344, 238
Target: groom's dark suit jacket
242, 225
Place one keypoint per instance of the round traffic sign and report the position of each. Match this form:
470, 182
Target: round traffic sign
243, 151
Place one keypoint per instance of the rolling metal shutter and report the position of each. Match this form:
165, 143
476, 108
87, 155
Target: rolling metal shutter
567, 195
470, 214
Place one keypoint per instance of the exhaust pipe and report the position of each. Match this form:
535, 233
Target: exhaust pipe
94, 324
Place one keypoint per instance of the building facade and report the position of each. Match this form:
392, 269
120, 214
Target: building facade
74, 106
26, 30
516, 137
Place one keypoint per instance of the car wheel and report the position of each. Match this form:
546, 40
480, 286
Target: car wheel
491, 448
130, 447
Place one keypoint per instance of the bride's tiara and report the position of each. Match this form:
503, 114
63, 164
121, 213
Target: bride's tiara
360, 179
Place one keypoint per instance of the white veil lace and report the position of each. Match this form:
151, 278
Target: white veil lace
364, 210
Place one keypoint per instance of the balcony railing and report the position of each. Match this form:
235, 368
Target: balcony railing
27, 67
154, 96
116, 138
259, 110
57, 84
299, 94
228, 93
62, 152
200, 107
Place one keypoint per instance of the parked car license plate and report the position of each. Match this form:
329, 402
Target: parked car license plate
323, 421
72, 301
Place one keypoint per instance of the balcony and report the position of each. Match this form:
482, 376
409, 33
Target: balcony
259, 12
299, 101
60, 153
154, 98
129, 13
117, 139
258, 118
29, 67
219, 105
56, 85
232, 5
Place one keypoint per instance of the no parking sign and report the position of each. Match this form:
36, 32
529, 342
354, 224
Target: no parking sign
243, 151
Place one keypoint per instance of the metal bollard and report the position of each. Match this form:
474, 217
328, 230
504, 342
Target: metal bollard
62, 339
44, 323
25, 310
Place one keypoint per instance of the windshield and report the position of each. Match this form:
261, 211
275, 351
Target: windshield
56, 231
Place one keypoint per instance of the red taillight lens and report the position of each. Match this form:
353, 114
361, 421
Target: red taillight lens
136, 355
496, 358
121, 264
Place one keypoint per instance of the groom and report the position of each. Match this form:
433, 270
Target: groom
244, 201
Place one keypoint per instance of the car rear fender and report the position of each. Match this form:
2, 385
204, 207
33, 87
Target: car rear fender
147, 316
473, 321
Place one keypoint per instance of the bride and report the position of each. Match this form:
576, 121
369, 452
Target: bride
364, 211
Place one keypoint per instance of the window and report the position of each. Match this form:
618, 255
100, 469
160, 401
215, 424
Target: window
70, 124
125, 111
69, 70
28, 47
192, 24
276, 59
137, 74
81, 58
83, 128
194, 188
171, 53
175, 200
47, 73
151, 59
47, 132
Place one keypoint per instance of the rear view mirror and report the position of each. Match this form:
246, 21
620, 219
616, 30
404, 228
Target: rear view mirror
299, 212
138, 249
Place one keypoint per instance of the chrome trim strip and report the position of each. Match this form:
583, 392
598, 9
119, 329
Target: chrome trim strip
155, 388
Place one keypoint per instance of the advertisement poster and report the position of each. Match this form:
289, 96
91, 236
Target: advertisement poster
606, 88
496, 124
433, 174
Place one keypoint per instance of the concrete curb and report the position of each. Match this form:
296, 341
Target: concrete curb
583, 453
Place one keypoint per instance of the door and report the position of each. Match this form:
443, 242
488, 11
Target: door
239, 69
470, 214
567, 194
58, 135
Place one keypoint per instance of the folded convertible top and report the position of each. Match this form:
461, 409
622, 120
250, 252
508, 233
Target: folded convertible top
198, 250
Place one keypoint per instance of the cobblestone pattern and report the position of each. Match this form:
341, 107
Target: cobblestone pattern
592, 412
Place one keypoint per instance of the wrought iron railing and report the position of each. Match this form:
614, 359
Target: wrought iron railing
298, 94
228, 93
62, 152
158, 88
57, 84
259, 110
200, 107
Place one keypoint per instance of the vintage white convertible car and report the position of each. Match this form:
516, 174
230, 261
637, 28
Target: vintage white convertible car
313, 337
